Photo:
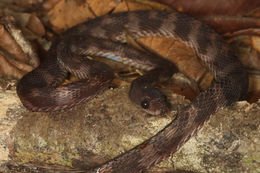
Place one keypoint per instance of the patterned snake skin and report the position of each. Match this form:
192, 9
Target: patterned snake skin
40, 89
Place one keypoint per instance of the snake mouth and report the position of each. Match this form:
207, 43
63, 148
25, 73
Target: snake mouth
159, 109
157, 106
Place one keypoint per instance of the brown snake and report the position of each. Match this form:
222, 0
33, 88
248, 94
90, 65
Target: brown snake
40, 89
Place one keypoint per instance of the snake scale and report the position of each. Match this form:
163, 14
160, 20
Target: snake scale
41, 89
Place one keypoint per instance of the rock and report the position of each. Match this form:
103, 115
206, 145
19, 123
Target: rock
110, 124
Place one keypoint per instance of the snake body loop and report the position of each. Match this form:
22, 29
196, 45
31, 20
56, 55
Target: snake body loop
40, 89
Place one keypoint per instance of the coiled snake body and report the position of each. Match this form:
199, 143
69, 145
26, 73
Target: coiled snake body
40, 89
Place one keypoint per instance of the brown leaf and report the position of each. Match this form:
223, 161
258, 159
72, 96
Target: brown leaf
250, 58
15, 62
223, 15
49, 4
256, 43
66, 14
229, 24
254, 88
182, 56
22, 45
35, 25
9, 70
212, 7
69, 13
9, 44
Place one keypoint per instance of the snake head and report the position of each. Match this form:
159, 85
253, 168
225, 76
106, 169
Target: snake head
150, 99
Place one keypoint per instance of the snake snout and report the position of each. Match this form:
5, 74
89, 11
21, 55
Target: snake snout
158, 107
155, 102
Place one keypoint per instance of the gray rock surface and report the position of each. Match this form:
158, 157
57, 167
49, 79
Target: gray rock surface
110, 124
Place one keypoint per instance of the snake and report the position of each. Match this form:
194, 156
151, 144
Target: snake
105, 36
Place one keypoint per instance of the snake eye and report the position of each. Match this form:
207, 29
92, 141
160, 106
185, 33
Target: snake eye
145, 104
